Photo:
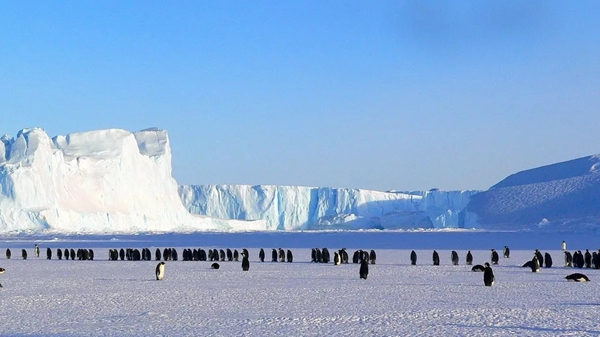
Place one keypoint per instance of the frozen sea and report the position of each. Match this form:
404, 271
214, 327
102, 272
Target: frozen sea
43, 297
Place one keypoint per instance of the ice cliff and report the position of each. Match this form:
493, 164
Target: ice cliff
297, 207
98, 181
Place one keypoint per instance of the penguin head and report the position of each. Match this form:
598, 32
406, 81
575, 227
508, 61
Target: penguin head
487, 264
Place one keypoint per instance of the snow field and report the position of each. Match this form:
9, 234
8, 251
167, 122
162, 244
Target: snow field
122, 298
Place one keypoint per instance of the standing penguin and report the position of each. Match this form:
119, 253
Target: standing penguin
373, 256
2, 270
274, 255
488, 275
588, 259
564, 245
37, 250
436, 258
160, 271
48, 253
540, 257
568, 259
8, 253
290, 256
413, 258
364, 269
535, 266
24, 254
506, 252
454, 258
59, 253
337, 260
495, 257
245, 263
469, 258
261, 255
548, 260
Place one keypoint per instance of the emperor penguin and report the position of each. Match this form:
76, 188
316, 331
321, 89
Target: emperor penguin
564, 245
245, 263
274, 255
568, 259
8, 253
506, 252
577, 277
548, 260
495, 257
535, 267
37, 250
24, 254
2, 270
436, 258
261, 255
364, 269
337, 260
413, 258
488, 275
290, 256
48, 253
469, 258
160, 271
454, 257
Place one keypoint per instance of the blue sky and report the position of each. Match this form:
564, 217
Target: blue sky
378, 95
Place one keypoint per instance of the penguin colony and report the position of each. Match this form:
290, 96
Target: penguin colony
318, 255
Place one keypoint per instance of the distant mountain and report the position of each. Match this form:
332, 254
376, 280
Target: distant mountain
560, 195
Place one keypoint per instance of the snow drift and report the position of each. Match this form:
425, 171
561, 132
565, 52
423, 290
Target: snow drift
297, 207
98, 181
564, 195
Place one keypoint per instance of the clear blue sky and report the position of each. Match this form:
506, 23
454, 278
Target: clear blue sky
379, 95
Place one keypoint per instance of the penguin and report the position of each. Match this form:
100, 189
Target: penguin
344, 255
454, 257
548, 260
488, 275
214, 266
588, 259
318, 255
495, 257
580, 261
66, 253
48, 253
59, 253
564, 245
478, 268
568, 259
529, 264
173, 254
274, 255
229, 255
261, 255
2, 270
245, 263
506, 252
290, 256
413, 258
37, 250
436, 258
245, 252
91, 255
72, 254
373, 256
157, 255
325, 257
8, 253
535, 266
355, 256
538, 254
222, 255
24, 254
281, 255
236, 255
577, 277
313, 255
336, 259
469, 258
121, 254
160, 271
364, 269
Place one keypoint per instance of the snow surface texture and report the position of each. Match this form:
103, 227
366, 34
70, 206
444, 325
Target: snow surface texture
564, 195
298, 207
98, 181
122, 298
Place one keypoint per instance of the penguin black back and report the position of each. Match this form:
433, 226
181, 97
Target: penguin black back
469, 258
413, 258
436, 258
245, 263
274, 255
372, 256
214, 266
488, 276
48, 253
454, 257
548, 260
577, 277
364, 269
290, 256
8, 254
495, 257
261, 255
24, 254
506, 252
478, 268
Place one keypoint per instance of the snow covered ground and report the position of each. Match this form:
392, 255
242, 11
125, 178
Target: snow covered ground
122, 298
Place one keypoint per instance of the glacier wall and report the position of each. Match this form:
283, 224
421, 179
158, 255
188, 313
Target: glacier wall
298, 207
98, 181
